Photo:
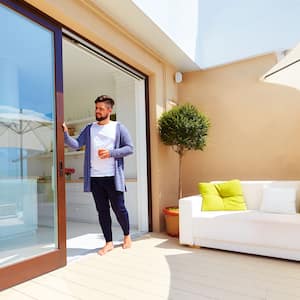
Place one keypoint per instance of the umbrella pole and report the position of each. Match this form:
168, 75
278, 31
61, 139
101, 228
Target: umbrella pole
21, 157
21, 145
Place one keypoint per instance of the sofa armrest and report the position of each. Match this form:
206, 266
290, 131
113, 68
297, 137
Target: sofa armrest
189, 207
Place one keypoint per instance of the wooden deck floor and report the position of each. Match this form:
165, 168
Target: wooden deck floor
157, 267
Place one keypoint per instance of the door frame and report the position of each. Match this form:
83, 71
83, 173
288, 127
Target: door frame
38, 265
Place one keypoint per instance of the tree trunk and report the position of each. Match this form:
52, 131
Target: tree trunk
179, 177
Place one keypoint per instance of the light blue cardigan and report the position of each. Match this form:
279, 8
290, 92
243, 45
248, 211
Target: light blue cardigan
123, 147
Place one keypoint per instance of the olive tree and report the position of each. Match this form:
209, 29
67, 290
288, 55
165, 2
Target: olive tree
183, 128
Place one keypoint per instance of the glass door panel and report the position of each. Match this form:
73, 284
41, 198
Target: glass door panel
28, 159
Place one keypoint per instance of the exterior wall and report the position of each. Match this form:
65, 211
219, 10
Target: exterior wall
88, 21
255, 125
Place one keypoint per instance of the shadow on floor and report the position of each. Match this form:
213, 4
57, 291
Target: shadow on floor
215, 274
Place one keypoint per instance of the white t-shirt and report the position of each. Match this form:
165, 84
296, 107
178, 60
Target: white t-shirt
102, 136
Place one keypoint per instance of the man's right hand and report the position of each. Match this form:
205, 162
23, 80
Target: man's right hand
65, 128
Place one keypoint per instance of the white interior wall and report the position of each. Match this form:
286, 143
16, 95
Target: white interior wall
85, 78
80, 97
125, 110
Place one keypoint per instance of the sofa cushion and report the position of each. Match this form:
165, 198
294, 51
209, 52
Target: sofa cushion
211, 198
222, 196
252, 191
279, 200
232, 195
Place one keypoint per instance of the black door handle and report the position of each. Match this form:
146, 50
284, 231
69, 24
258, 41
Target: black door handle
61, 168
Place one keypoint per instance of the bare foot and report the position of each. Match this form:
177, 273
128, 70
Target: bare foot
127, 242
108, 247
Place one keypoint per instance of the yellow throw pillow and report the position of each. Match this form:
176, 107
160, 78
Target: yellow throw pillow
234, 203
222, 196
232, 195
211, 199
229, 188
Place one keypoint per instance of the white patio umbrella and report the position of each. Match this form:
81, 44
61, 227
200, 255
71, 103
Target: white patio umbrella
24, 129
286, 71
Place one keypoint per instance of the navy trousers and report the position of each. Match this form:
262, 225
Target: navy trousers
104, 193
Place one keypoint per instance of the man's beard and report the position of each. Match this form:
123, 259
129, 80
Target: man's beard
99, 119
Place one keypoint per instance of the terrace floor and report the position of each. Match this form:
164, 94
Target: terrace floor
157, 267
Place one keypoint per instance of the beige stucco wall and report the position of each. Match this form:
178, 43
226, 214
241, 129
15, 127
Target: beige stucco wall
92, 24
255, 132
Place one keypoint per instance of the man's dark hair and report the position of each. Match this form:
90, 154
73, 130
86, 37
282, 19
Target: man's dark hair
106, 99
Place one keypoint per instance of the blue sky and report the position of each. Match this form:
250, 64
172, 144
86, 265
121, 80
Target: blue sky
215, 32
26, 49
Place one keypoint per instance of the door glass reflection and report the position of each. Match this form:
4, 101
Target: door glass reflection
28, 204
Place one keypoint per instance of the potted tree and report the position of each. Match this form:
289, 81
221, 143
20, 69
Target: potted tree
183, 128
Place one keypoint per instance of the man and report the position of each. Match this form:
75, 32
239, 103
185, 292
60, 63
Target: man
106, 144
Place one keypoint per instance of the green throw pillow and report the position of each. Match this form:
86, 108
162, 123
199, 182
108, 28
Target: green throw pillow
211, 199
229, 192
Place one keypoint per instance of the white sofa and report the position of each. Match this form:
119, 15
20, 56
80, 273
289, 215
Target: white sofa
251, 231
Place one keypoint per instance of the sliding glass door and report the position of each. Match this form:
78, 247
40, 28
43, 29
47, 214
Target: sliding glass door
32, 217
88, 73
